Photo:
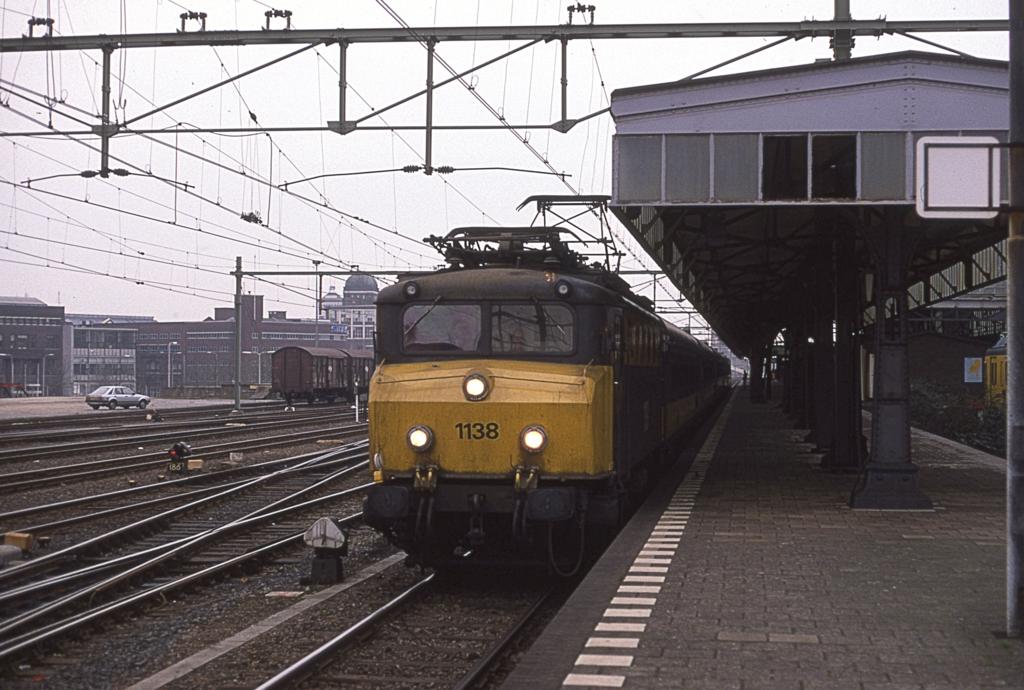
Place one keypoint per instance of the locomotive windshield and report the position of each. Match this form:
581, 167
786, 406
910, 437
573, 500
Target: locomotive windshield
442, 327
531, 328
496, 328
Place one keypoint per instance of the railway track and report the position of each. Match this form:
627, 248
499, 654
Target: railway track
444, 630
125, 500
190, 551
345, 457
48, 476
91, 418
34, 452
89, 429
155, 588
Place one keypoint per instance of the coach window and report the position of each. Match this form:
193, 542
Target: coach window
531, 328
441, 328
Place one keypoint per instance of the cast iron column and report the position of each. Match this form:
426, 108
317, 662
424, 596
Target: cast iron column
757, 375
1015, 339
806, 419
890, 479
788, 380
823, 431
845, 454
238, 334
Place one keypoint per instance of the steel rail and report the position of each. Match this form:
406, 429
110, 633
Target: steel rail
312, 661
73, 622
25, 453
155, 486
56, 580
551, 32
14, 571
157, 552
484, 662
87, 417
180, 548
47, 475
46, 527
142, 425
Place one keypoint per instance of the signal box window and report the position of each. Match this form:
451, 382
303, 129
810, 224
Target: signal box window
441, 328
784, 168
834, 167
531, 328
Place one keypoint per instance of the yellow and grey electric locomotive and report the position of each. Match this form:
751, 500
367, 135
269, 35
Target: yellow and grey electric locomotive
522, 399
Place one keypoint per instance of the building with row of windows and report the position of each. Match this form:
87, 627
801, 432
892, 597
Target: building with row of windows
35, 352
44, 351
353, 314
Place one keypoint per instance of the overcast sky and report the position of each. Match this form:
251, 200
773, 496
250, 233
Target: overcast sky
183, 243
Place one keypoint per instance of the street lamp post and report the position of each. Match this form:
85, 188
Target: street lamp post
4, 354
316, 313
175, 343
42, 382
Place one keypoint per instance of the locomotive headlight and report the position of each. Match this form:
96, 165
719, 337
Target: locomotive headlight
420, 438
411, 289
533, 439
475, 387
563, 289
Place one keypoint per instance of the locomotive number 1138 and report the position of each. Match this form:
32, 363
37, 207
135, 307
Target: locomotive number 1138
477, 431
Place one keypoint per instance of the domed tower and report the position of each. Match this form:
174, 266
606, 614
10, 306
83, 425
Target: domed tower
360, 290
359, 311
331, 304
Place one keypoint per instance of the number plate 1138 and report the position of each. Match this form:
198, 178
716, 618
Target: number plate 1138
477, 431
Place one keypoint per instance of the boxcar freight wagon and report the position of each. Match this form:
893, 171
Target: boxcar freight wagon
318, 373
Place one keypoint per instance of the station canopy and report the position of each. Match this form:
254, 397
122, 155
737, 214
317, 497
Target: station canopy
738, 185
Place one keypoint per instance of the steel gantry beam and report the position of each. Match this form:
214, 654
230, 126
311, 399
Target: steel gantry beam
803, 29
841, 30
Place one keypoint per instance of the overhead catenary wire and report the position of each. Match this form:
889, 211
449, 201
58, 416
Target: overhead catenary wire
255, 178
322, 244
218, 206
475, 93
326, 204
66, 265
298, 290
405, 141
143, 216
189, 192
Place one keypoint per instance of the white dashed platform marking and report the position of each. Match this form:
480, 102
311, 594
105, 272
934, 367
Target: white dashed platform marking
614, 642
592, 680
655, 556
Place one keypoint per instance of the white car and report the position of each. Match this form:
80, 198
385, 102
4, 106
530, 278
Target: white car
114, 397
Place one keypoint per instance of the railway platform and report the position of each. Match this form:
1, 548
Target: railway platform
747, 569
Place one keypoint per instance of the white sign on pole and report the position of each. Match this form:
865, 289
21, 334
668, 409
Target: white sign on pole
957, 177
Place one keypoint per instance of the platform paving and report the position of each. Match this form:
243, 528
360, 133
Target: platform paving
752, 572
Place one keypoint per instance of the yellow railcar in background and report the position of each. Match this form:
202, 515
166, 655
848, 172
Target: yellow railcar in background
995, 372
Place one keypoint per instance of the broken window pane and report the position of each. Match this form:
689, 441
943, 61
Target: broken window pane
834, 167
784, 168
